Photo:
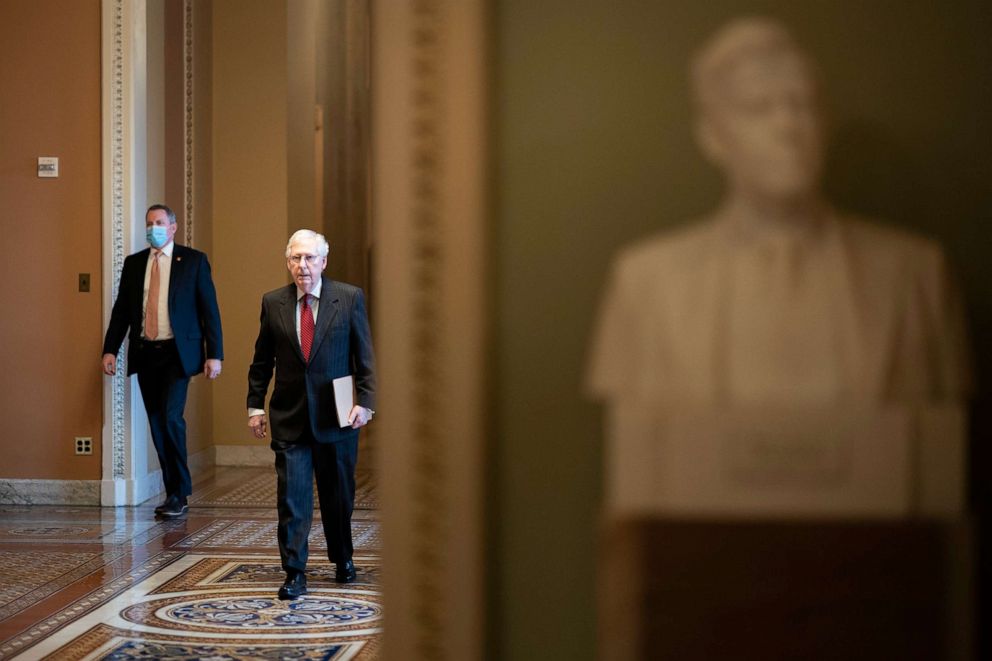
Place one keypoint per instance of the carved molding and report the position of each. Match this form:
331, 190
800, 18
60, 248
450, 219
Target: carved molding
117, 203
430, 226
429, 482
188, 133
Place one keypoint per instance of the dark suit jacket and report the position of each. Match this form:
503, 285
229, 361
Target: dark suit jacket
193, 311
342, 345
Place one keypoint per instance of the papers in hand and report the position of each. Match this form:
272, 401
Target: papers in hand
344, 398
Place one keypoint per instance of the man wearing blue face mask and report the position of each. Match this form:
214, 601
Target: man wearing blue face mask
167, 306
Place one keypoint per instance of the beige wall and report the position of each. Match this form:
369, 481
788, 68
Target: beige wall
173, 86
270, 173
343, 74
50, 333
301, 72
240, 216
249, 215
199, 403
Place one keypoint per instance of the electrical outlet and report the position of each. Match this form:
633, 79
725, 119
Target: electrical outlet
84, 445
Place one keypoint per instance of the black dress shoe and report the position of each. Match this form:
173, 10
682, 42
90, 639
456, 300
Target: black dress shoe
173, 507
294, 587
345, 572
164, 505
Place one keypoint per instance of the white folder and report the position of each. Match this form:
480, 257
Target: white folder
344, 398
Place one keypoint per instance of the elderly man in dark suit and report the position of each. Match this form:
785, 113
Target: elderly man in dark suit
312, 332
167, 306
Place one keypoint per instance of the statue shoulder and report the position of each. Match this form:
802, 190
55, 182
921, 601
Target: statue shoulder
881, 241
671, 249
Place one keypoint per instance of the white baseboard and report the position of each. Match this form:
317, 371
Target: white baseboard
99, 492
121, 493
243, 455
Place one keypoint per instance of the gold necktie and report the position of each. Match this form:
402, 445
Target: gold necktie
151, 306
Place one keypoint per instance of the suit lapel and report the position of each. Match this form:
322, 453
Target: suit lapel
138, 289
287, 318
177, 269
325, 314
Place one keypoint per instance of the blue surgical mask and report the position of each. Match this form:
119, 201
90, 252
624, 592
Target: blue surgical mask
157, 235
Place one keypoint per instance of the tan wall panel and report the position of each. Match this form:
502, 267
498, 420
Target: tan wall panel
249, 216
344, 59
301, 54
174, 111
199, 405
50, 333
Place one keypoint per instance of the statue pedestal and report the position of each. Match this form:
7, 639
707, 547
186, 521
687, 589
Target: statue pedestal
794, 462
720, 589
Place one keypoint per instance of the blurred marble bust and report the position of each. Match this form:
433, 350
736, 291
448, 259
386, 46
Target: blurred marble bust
776, 297
776, 301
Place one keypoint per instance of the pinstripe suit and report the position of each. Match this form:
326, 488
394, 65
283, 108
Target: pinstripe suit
302, 415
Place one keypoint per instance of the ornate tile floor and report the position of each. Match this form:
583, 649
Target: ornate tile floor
256, 487
115, 583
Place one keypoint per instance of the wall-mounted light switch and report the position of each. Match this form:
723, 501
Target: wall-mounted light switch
48, 166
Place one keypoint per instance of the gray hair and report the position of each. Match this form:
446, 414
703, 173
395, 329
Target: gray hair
161, 207
300, 235
740, 39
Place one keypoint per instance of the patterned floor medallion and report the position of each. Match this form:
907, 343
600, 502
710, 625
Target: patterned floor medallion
224, 604
99, 583
257, 612
87, 528
108, 643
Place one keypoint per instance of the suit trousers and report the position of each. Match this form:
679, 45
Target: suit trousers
333, 465
164, 385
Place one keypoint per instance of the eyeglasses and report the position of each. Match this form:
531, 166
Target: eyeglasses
312, 260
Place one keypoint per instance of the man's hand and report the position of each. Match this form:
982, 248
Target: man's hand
109, 364
359, 416
257, 425
211, 369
